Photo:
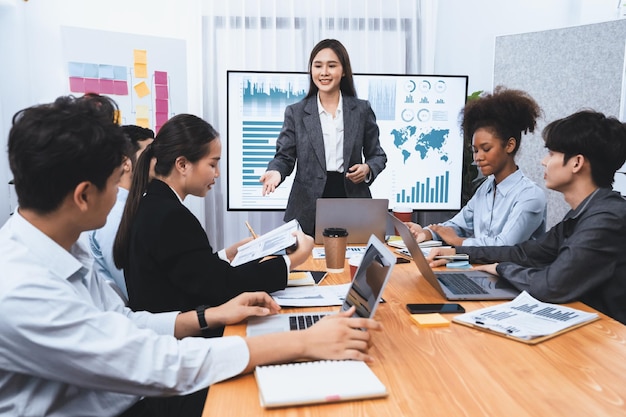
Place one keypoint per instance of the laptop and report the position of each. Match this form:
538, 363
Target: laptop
361, 217
459, 285
365, 293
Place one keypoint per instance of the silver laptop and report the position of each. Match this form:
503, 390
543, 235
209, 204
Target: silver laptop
365, 292
459, 285
362, 217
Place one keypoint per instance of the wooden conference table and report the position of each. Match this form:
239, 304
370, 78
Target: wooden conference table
458, 371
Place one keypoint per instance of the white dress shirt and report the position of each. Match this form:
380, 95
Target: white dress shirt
332, 129
516, 214
69, 346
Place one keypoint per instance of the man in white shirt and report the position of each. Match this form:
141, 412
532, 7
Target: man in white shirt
69, 346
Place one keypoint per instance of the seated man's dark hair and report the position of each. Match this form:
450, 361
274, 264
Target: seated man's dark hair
136, 134
54, 147
600, 139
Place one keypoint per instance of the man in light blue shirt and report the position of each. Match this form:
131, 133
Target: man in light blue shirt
69, 346
101, 240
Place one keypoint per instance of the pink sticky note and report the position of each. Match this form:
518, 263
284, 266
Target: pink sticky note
160, 78
77, 85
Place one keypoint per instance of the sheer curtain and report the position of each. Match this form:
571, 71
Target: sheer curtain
381, 36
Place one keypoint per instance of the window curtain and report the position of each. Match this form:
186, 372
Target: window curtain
381, 36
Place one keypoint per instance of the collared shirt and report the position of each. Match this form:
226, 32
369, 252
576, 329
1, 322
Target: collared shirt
579, 259
517, 213
332, 128
70, 347
101, 244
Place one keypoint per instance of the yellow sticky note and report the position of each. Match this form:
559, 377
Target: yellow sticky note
298, 275
141, 71
117, 116
140, 56
143, 122
142, 89
143, 112
430, 320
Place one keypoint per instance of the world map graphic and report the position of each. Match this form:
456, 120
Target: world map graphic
426, 142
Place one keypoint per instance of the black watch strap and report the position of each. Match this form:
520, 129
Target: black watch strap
204, 327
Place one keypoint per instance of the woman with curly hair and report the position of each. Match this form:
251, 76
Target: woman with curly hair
508, 207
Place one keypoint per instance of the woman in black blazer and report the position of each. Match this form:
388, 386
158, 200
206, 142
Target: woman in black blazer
331, 134
165, 253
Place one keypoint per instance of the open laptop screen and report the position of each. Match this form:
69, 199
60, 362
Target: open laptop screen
370, 279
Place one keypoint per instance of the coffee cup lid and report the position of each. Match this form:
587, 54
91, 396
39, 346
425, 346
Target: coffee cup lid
335, 232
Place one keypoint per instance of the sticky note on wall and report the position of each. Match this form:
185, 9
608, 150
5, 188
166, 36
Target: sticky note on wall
142, 89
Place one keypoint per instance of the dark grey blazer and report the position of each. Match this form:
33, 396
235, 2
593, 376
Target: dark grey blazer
301, 140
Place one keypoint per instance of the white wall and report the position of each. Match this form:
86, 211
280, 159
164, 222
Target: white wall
30, 40
466, 30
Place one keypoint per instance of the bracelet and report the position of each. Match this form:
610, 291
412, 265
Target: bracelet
204, 327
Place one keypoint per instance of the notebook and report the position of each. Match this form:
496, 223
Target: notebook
361, 217
460, 285
364, 292
316, 382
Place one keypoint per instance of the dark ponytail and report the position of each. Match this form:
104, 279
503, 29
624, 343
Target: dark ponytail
141, 179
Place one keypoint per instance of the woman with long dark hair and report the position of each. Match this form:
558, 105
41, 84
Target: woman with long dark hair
165, 253
331, 134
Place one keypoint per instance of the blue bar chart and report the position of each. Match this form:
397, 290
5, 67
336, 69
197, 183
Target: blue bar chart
259, 139
432, 190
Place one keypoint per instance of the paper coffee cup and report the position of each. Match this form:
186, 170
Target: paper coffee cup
335, 242
354, 262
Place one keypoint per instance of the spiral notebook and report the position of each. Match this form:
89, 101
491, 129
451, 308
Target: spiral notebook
316, 382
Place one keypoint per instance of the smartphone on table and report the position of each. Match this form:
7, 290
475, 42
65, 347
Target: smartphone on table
435, 308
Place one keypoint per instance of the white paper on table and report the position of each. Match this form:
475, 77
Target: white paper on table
526, 317
311, 296
319, 253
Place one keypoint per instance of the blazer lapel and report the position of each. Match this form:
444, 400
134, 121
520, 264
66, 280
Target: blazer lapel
314, 128
350, 129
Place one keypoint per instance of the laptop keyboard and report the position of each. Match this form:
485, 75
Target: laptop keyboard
461, 284
304, 321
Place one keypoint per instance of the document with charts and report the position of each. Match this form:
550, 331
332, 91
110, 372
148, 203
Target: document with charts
271, 242
526, 319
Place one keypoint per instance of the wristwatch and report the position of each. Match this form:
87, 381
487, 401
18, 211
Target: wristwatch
204, 327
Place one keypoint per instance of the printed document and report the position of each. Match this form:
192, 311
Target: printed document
526, 318
271, 242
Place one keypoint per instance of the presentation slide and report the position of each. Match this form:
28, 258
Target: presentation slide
418, 118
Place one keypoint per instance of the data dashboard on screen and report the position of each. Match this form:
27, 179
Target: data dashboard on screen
418, 118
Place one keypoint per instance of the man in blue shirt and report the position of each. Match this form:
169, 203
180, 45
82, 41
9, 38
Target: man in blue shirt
101, 240
582, 257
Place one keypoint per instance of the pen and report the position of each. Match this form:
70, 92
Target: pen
254, 235
459, 257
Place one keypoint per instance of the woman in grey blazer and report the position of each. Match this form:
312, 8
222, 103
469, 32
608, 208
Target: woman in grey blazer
331, 134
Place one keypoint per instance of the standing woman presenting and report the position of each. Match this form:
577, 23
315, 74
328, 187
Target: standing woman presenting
328, 134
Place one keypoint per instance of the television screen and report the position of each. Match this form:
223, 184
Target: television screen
418, 118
